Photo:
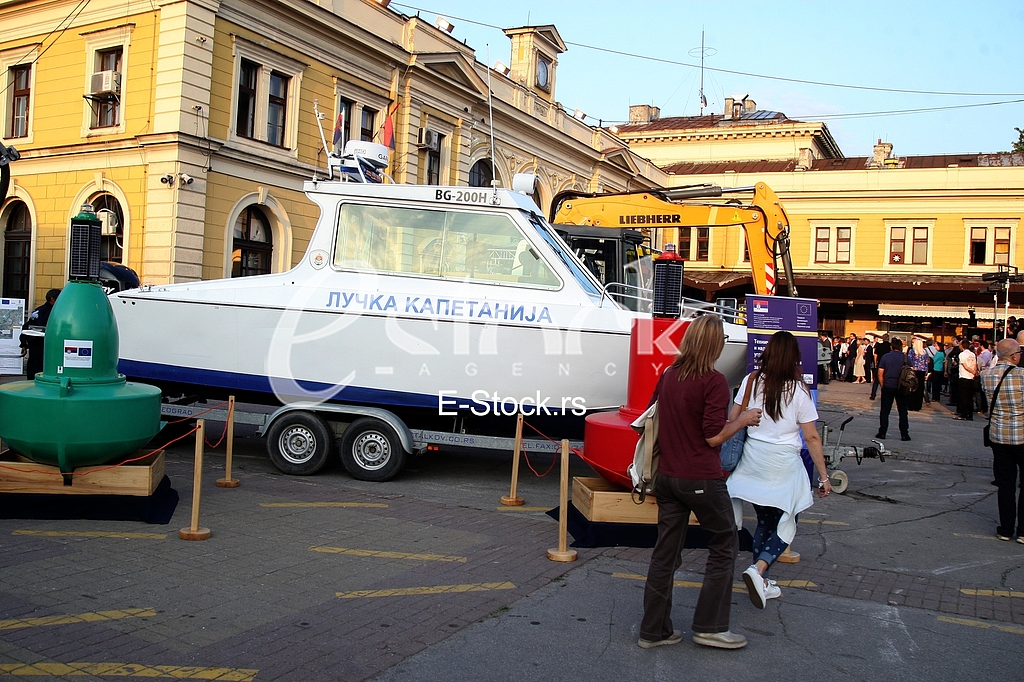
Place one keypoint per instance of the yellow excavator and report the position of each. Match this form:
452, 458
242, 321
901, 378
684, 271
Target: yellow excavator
606, 228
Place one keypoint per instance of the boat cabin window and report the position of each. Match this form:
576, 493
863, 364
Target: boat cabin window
449, 244
579, 272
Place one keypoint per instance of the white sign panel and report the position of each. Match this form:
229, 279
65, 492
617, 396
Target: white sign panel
12, 318
77, 354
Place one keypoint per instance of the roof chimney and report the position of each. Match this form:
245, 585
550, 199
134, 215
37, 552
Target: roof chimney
643, 113
728, 107
883, 151
749, 105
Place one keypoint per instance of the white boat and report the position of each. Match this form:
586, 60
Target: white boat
449, 303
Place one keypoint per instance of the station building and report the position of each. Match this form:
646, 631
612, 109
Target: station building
884, 242
189, 125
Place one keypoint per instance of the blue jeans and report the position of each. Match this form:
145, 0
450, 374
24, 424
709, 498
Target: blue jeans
768, 546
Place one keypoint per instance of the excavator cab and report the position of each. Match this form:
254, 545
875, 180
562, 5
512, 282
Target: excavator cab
621, 259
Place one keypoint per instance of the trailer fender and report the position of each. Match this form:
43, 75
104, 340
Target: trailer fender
326, 410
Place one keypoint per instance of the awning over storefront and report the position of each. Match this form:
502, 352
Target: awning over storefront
950, 313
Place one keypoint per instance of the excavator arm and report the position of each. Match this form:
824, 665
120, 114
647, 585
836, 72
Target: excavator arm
763, 219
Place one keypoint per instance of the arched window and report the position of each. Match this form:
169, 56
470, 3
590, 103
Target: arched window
108, 209
251, 244
17, 251
481, 174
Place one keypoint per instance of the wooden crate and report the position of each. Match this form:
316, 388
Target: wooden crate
20, 475
599, 500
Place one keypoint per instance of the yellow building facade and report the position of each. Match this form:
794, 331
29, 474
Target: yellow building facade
190, 126
884, 242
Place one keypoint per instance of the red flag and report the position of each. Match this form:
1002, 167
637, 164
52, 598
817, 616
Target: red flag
339, 128
387, 136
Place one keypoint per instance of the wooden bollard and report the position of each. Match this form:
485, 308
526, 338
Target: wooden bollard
227, 481
562, 553
194, 532
789, 557
513, 500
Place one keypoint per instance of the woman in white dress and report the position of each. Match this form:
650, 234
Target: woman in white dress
771, 474
858, 364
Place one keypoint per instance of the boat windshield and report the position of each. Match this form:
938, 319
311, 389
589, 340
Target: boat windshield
578, 270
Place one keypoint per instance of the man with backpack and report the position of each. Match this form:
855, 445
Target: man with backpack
889, 369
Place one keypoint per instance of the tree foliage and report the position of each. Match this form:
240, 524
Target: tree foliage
1018, 146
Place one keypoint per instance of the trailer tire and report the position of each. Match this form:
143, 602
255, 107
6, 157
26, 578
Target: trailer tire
300, 443
371, 450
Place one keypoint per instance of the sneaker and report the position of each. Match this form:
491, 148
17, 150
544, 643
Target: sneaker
755, 586
880, 436
674, 638
1020, 539
959, 417
772, 591
721, 640
1004, 538
905, 436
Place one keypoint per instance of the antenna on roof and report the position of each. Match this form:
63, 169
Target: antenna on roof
704, 52
490, 120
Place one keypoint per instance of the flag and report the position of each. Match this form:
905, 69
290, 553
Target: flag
339, 129
387, 136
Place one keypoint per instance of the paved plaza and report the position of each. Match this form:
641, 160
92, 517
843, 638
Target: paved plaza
427, 577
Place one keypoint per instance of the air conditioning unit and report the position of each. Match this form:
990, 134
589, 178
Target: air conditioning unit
429, 139
108, 223
105, 83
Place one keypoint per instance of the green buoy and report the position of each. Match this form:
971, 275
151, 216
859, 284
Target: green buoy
79, 411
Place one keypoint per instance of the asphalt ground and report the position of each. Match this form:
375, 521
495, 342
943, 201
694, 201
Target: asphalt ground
427, 577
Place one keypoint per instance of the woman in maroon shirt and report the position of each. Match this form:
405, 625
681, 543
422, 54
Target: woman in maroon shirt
693, 405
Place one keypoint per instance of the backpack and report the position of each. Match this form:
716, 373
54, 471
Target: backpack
907, 383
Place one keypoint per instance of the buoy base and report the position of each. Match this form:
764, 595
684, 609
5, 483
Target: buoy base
228, 482
512, 501
789, 557
562, 555
197, 534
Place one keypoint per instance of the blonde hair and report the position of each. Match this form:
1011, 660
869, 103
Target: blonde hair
700, 348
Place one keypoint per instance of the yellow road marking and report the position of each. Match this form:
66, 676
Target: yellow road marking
433, 589
981, 624
991, 593
175, 672
736, 587
91, 534
976, 537
529, 509
373, 505
93, 617
824, 523
387, 555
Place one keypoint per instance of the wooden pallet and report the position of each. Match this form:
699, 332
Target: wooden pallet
20, 475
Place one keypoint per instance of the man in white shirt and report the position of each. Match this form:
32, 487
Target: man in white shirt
965, 392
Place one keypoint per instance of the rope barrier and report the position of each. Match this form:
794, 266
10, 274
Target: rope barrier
199, 414
575, 451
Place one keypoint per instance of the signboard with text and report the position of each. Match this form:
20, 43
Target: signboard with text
769, 314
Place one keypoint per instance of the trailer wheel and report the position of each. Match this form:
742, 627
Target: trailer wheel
840, 481
300, 443
371, 450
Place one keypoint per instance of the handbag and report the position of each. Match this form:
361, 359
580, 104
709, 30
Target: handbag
991, 408
732, 449
644, 468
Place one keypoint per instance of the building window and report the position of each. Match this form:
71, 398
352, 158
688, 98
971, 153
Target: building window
703, 243
433, 159
367, 128
107, 107
343, 124
822, 242
978, 238
481, 174
276, 106
844, 237
248, 81
684, 242
746, 249
17, 251
20, 84
914, 253
108, 210
1001, 246
920, 246
251, 244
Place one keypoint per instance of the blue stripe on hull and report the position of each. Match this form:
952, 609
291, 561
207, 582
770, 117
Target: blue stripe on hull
261, 384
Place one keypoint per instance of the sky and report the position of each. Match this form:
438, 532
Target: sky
939, 46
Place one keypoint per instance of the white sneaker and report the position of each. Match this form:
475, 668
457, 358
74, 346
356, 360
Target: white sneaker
772, 591
755, 586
